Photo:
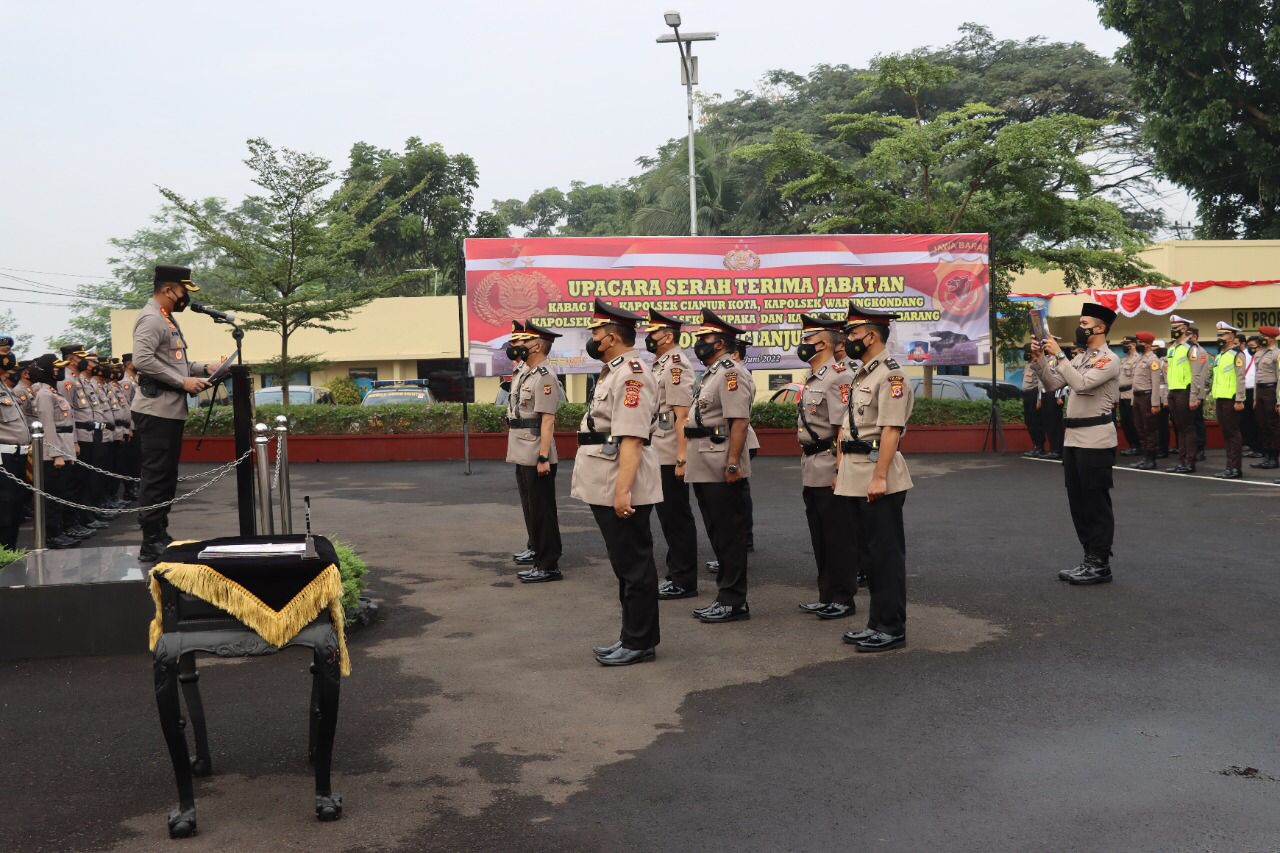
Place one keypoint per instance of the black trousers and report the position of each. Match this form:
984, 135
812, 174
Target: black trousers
675, 515
523, 491
55, 483
1249, 423
1051, 417
1198, 416
1088, 473
161, 448
629, 542
1184, 425
1268, 419
1145, 422
724, 512
1128, 424
132, 464
882, 546
1031, 417
544, 519
89, 483
750, 506
1232, 439
1162, 430
13, 499
830, 518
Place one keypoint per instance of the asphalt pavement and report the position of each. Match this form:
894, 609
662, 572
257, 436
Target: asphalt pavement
1023, 715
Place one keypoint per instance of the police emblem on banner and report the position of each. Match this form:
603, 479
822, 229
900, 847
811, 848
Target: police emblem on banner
501, 296
741, 258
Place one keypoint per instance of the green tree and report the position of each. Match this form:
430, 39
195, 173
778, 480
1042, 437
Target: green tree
664, 189
9, 326
286, 257
1207, 73
1031, 184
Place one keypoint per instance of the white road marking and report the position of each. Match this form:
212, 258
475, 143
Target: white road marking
1242, 481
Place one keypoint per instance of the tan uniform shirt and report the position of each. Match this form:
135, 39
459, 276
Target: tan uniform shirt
1164, 380
102, 413
722, 395
54, 414
819, 412
160, 352
674, 378
26, 396
1128, 366
534, 393
753, 441
1201, 375
1030, 381
130, 388
13, 424
1266, 366
623, 404
72, 390
880, 397
1147, 377
1094, 380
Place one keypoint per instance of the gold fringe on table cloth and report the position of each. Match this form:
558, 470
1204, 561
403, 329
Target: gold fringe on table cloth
277, 627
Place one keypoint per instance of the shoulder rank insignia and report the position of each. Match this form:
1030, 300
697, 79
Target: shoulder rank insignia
840, 367
616, 362
675, 358
731, 380
891, 364
821, 372
636, 366
728, 362
542, 368
631, 399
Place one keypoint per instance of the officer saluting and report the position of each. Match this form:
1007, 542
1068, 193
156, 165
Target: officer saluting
535, 397
1090, 445
874, 474
160, 408
718, 464
674, 377
616, 473
819, 410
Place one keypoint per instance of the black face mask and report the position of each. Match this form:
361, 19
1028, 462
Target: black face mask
1082, 336
516, 353
1142, 349
183, 301
1175, 334
806, 352
855, 348
1162, 351
704, 350
1222, 343
595, 350
651, 344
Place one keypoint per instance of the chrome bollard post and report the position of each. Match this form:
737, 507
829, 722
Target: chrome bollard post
37, 480
261, 440
282, 451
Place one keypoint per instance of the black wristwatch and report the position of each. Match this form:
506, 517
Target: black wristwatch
542, 459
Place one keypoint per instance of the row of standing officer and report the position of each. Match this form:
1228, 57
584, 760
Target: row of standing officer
82, 403
653, 430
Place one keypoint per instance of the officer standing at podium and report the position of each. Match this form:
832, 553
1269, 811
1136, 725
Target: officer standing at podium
167, 376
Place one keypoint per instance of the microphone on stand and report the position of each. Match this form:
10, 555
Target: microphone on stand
219, 316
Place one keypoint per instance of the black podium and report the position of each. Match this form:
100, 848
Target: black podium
244, 607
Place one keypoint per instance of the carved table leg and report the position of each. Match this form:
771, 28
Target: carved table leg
325, 688
182, 822
189, 678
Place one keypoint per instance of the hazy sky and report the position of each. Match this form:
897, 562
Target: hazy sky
104, 101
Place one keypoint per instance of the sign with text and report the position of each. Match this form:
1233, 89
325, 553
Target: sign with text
937, 283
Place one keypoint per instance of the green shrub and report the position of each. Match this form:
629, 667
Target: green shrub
7, 556
353, 569
345, 391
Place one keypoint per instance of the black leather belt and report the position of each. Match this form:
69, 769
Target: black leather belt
859, 446
524, 423
1140, 391
696, 432
1266, 384
1125, 387
586, 438
817, 447
90, 425
717, 434
1096, 420
65, 428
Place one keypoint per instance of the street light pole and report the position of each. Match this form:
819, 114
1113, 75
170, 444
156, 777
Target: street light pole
685, 45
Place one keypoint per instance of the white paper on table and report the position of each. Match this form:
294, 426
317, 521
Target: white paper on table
255, 549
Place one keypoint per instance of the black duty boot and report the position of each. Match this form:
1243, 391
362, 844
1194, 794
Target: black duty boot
1269, 461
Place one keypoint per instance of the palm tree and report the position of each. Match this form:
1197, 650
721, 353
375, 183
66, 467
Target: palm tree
664, 190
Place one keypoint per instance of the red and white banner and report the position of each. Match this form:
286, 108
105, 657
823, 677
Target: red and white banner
937, 283
1154, 299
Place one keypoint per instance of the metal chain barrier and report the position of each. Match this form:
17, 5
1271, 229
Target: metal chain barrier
129, 479
221, 472
275, 474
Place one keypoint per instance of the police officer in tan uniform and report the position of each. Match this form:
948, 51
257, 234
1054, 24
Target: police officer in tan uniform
1128, 421
1148, 398
872, 472
82, 482
132, 460
15, 444
616, 473
819, 410
1264, 398
1090, 444
59, 448
674, 376
531, 447
160, 408
525, 557
719, 465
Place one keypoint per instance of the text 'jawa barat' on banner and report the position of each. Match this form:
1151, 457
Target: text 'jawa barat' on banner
938, 284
